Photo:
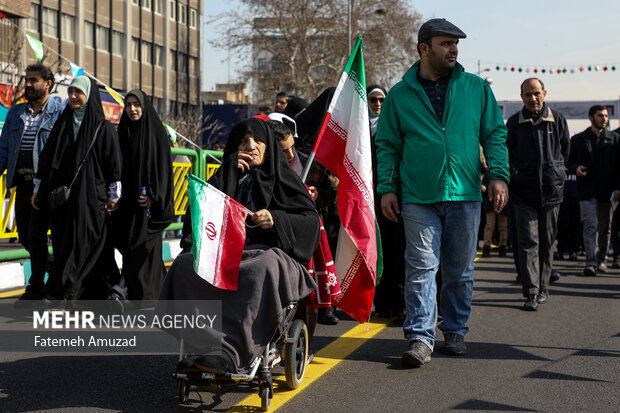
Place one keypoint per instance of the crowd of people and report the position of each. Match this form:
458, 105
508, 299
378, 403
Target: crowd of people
443, 161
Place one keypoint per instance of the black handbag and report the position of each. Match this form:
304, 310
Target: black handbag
60, 195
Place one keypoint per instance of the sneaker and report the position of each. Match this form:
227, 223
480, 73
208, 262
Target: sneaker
502, 250
30, 299
602, 267
555, 276
589, 271
531, 304
542, 296
486, 251
417, 355
454, 344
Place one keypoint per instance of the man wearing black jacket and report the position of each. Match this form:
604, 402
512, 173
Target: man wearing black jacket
595, 158
538, 145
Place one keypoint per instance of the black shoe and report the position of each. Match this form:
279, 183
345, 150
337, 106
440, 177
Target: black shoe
486, 251
31, 298
327, 317
531, 304
215, 363
417, 355
542, 296
555, 276
572, 256
589, 271
454, 344
616, 263
502, 251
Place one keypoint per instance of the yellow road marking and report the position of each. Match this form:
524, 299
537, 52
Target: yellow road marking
324, 360
13, 293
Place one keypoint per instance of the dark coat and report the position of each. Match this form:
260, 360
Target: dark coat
537, 151
602, 162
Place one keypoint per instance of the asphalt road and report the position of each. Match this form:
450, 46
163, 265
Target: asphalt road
563, 358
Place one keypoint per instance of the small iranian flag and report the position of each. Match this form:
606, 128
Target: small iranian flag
218, 225
343, 146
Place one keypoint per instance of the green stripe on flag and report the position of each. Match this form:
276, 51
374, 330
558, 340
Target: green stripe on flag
355, 69
379, 254
37, 47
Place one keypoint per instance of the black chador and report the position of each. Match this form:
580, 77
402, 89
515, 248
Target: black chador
83, 254
137, 230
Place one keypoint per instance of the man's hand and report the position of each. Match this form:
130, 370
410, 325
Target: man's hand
111, 206
582, 170
263, 219
33, 201
314, 193
145, 201
498, 194
389, 206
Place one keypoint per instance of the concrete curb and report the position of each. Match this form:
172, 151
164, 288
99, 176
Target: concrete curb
15, 275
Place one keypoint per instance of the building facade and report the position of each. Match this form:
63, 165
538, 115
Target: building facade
153, 45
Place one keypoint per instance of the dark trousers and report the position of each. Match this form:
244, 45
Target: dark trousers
536, 230
569, 226
32, 226
615, 233
512, 236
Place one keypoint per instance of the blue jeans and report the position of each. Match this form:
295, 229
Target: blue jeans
446, 230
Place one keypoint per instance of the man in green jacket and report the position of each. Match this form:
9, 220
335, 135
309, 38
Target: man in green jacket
428, 138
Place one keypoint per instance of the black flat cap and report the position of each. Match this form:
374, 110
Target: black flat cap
439, 27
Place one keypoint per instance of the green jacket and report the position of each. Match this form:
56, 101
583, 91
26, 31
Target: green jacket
433, 162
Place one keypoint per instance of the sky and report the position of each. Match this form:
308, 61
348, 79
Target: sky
549, 34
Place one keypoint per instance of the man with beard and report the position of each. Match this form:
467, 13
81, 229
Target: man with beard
24, 134
430, 128
595, 158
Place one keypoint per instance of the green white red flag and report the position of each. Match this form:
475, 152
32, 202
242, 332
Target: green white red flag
218, 225
343, 146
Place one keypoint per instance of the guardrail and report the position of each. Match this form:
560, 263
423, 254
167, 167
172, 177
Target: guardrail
201, 163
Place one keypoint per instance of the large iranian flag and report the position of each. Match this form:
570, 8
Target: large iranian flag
218, 225
343, 146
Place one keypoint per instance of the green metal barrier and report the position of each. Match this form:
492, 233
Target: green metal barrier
201, 164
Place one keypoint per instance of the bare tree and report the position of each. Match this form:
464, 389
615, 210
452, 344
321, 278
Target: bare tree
301, 45
201, 130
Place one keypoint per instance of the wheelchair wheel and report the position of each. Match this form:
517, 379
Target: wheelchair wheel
296, 355
184, 389
265, 398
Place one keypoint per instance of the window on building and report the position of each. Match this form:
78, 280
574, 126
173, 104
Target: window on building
135, 49
88, 34
67, 27
146, 4
193, 18
50, 22
33, 21
118, 43
182, 13
193, 63
147, 53
134, 1
159, 56
173, 60
261, 63
172, 10
182, 63
158, 6
103, 38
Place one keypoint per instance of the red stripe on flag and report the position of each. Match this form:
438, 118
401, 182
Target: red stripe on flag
233, 239
331, 152
358, 290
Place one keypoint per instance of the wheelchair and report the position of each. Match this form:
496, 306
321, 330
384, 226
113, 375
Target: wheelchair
290, 341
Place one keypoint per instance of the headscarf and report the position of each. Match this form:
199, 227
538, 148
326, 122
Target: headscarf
82, 83
309, 121
372, 116
150, 166
295, 106
276, 187
288, 121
